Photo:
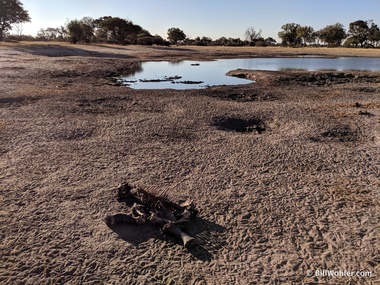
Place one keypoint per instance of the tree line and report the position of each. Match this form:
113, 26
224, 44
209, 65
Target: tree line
116, 30
360, 34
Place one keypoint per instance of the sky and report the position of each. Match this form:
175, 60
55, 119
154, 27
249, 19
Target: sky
229, 18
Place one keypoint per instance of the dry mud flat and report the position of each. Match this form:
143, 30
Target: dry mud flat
285, 172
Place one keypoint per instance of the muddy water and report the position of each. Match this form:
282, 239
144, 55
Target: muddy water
197, 75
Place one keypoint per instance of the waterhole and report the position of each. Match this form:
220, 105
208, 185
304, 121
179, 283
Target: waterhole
203, 74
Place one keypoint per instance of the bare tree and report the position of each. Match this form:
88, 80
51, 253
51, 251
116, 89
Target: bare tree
252, 35
19, 29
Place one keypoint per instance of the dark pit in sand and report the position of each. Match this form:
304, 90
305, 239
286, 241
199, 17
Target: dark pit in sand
250, 125
339, 133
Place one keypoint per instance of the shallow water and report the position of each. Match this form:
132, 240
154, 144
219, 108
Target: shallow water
202, 74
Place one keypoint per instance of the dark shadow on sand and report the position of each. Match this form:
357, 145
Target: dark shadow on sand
208, 236
174, 49
53, 50
16, 101
137, 234
111, 46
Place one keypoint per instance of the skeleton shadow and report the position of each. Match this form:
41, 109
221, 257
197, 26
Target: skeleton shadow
208, 235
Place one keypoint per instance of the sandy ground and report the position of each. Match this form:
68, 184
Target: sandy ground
302, 194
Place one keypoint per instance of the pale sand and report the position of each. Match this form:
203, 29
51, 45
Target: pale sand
302, 195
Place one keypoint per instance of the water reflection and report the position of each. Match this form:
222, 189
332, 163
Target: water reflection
196, 74
175, 62
135, 68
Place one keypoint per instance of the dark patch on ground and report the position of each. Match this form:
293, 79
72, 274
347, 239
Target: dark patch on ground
174, 49
239, 94
66, 73
76, 133
327, 78
338, 133
13, 68
102, 105
367, 89
16, 101
251, 125
52, 50
175, 134
366, 113
240, 75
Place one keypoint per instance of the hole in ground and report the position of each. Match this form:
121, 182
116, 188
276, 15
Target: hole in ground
339, 133
251, 125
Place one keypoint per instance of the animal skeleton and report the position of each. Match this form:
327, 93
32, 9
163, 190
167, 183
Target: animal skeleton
157, 210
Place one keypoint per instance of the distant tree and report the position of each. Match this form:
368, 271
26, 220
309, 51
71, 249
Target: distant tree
359, 31
119, 30
305, 34
80, 30
11, 12
363, 34
221, 41
252, 36
270, 41
175, 35
87, 25
75, 30
88, 32
351, 42
204, 41
61, 33
145, 40
88, 21
144, 33
48, 34
235, 42
151, 40
374, 34
260, 42
333, 35
101, 33
289, 34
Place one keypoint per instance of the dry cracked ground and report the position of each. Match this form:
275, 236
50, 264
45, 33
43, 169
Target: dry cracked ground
284, 171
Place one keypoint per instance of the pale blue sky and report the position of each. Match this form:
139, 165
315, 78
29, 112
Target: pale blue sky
214, 19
